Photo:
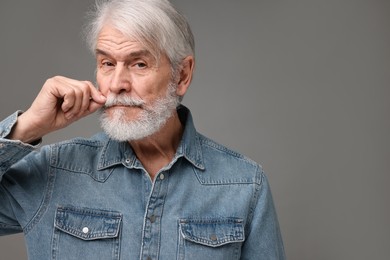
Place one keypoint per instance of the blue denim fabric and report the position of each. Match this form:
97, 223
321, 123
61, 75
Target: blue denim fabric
93, 199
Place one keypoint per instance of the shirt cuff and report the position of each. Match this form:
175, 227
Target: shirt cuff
6, 127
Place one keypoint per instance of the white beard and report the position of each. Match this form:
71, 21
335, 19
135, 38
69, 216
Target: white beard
149, 121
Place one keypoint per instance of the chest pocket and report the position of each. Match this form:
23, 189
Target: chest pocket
84, 233
211, 238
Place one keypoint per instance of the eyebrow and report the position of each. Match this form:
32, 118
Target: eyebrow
134, 54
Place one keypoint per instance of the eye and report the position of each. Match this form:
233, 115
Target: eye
107, 64
140, 65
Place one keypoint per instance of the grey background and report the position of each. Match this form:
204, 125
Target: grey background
302, 87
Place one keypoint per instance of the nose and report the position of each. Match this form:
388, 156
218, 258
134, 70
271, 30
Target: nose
121, 80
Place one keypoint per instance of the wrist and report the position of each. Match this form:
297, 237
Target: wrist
24, 131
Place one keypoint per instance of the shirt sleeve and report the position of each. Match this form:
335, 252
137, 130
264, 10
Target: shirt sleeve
11, 151
263, 238
21, 183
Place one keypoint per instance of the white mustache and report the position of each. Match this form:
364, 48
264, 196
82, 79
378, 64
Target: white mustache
122, 100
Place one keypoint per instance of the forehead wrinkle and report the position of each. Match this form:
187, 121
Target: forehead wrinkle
140, 53
110, 44
124, 49
113, 41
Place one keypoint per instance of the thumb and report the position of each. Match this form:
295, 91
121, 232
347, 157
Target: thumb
93, 106
97, 97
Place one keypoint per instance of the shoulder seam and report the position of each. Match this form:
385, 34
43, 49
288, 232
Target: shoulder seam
212, 144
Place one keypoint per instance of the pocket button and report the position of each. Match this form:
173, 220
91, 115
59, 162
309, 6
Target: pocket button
85, 230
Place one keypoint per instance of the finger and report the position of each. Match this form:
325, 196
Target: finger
86, 96
94, 106
96, 95
75, 97
92, 99
80, 90
61, 88
68, 100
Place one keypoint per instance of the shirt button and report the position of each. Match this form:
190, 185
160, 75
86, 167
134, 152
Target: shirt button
85, 230
213, 237
152, 218
162, 176
127, 161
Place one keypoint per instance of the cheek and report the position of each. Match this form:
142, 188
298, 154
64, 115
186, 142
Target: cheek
103, 83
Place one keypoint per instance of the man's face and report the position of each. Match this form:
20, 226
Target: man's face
126, 70
125, 67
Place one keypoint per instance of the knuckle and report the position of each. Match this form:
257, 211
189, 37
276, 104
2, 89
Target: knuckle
88, 83
53, 81
57, 78
70, 93
50, 81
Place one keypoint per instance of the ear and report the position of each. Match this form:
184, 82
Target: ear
185, 75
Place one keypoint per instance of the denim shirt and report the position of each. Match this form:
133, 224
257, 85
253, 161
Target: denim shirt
93, 199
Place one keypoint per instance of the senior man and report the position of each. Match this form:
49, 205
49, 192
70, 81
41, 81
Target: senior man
149, 186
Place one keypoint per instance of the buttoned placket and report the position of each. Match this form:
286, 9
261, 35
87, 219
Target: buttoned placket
152, 220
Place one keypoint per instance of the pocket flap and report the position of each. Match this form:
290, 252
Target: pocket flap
213, 232
88, 224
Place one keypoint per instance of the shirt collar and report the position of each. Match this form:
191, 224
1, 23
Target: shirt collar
115, 152
190, 146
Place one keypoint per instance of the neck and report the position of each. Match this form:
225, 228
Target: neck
158, 150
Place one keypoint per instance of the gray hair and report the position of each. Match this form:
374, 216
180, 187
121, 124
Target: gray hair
156, 24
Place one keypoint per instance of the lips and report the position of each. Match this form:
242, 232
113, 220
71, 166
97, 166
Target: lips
123, 100
122, 106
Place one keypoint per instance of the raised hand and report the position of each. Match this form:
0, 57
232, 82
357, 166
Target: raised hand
60, 102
